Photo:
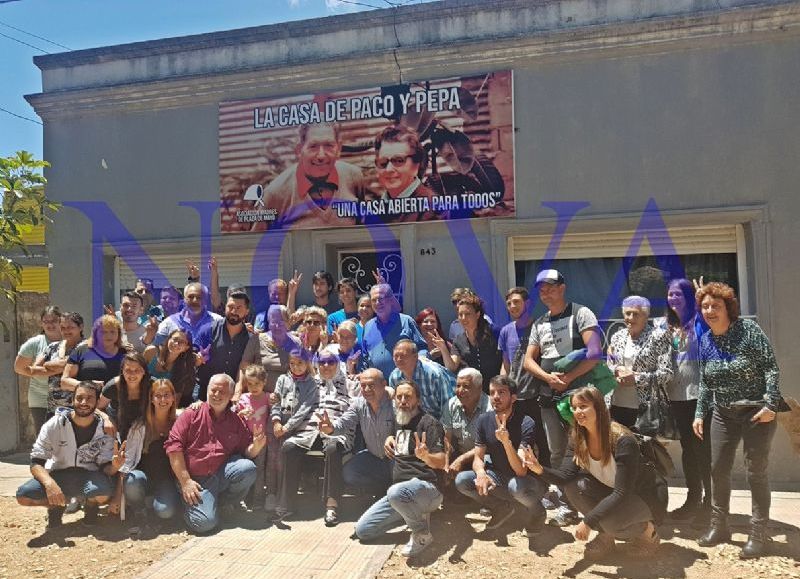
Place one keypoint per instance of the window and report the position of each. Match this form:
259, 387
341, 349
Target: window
600, 272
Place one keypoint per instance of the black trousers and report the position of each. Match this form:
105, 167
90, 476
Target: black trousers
728, 428
531, 408
627, 521
293, 457
695, 453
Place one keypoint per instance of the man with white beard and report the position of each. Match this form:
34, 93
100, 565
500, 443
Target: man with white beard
419, 457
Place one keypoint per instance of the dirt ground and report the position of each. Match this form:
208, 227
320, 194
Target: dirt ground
463, 549
75, 551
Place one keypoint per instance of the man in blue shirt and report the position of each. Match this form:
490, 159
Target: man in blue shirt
511, 334
348, 297
387, 328
195, 318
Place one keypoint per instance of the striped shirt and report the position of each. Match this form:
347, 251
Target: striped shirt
436, 385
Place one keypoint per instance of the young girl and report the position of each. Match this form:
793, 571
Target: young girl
296, 399
254, 407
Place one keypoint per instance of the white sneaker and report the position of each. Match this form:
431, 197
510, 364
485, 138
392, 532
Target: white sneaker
417, 544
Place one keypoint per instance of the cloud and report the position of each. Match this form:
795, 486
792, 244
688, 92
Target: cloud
330, 5
339, 5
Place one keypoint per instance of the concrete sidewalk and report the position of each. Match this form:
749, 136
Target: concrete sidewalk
307, 549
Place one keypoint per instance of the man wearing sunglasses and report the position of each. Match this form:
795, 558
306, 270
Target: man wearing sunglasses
398, 161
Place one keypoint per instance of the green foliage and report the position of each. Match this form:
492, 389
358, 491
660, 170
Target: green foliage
24, 206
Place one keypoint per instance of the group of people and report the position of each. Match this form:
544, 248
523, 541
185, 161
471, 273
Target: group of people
174, 408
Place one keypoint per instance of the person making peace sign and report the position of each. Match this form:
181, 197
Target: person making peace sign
419, 459
502, 434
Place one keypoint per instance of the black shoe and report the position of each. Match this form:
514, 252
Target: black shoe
702, 517
756, 545
715, 535
54, 515
279, 515
91, 515
485, 512
686, 511
535, 526
500, 515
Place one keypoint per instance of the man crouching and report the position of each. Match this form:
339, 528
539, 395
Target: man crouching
504, 479
83, 459
418, 452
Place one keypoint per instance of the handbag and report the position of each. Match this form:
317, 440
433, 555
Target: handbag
655, 416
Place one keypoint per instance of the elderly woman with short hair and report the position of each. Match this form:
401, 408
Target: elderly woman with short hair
739, 383
640, 358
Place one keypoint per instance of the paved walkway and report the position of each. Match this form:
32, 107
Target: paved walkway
301, 549
307, 549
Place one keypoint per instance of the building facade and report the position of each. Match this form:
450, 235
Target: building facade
648, 140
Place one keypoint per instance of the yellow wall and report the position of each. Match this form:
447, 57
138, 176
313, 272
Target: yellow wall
35, 279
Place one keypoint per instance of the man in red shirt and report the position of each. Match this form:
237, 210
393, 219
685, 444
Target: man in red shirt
205, 448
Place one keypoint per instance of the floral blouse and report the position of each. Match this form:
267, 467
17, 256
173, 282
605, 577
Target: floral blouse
652, 361
737, 365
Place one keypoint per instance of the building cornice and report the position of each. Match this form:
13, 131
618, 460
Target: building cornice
656, 35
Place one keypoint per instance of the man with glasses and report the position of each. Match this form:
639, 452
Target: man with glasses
305, 194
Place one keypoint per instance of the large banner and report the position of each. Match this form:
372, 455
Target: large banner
431, 150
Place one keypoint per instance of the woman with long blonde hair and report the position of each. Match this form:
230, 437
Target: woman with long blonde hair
146, 471
619, 495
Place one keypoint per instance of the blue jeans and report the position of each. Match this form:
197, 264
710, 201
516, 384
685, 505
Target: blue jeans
408, 502
527, 490
365, 469
231, 483
557, 435
74, 482
166, 497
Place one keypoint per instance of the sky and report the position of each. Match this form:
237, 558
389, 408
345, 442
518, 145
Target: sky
79, 24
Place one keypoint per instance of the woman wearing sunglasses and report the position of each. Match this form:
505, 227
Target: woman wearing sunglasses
399, 160
297, 416
312, 331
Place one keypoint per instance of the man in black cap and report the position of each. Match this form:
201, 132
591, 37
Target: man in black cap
565, 327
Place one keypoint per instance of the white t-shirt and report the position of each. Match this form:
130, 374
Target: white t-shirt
604, 473
38, 386
555, 335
